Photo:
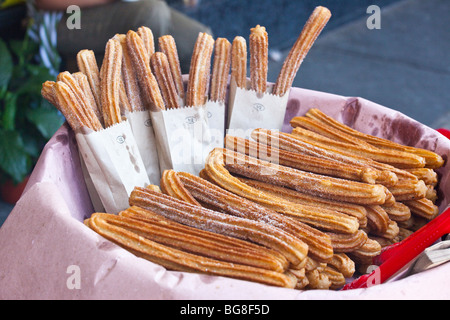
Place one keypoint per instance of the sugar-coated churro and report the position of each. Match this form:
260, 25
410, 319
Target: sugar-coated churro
161, 69
259, 58
220, 70
432, 159
111, 78
313, 27
239, 62
146, 35
83, 82
87, 64
292, 248
126, 232
168, 46
129, 77
141, 65
199, 73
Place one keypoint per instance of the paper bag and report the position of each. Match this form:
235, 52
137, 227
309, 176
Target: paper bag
113, 163
216, 116
183, 138
248, 110
142, 128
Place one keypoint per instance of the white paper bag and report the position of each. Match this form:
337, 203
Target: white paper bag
248, 110
183, 138
142, 128
114, 164
216, 115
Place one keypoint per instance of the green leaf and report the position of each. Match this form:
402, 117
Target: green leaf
6, 64
13, 158
46, 120
9, 113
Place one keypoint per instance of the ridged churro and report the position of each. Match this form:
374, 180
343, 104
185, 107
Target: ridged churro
83, 82
301, 161
395, 158
239, 61
313, 27
204, 243
292, 248
141, 65
385, 174
126, 233
75, 113
199, 73
220, 70
217, 169
129, 77
432, 159
310, 183
146, 35
219, 199
172, 186
346, 243
167, 45
48, 93
87, 64
353, 210
423, 208
259, 58
111, 78
161, 69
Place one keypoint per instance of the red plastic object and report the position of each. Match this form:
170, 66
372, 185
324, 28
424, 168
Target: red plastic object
398, 256
445, 132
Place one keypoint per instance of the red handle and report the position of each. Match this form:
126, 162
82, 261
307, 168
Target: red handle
398, 256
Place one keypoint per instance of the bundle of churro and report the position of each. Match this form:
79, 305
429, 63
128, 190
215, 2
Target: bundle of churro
93, 101
254, 103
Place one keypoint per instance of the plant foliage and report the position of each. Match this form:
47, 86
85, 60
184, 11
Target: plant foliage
27, 121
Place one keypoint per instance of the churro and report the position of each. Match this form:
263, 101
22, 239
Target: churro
146, 35
432, 159
365, 254
126, 233
301, 161
87, 64
423, 208
129, 77
239, 62
111, 77
313, 27
168, 46
75, 113
199, 73
343, 264
317, 217
385, 174
346, 243
172, 186
83, 82
161, 69
47, 92
204, 243
354, 210
292, 248
219, 199
395, 158
259, 58
141, 65
220, 70
306, 182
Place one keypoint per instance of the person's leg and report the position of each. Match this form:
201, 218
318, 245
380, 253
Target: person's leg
98, 24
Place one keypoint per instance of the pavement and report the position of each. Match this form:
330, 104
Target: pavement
403, 65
